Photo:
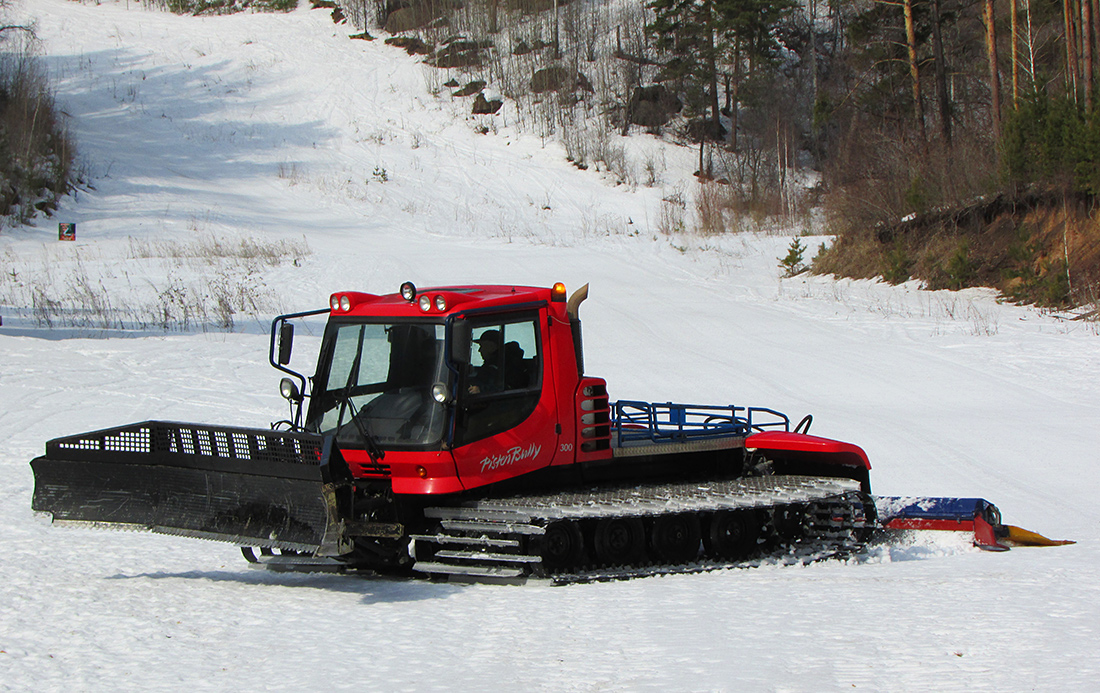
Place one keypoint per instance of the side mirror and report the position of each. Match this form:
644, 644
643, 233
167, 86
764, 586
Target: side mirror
286, 342
461, 341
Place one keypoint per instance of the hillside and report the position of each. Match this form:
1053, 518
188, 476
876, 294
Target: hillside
251, 131
1037, 245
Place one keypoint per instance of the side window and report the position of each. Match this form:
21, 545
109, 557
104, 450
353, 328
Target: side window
502, 383
503, 357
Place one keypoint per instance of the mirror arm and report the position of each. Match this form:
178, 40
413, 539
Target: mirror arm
275, 345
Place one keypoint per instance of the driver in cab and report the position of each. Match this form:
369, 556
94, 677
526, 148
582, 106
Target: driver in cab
486, 377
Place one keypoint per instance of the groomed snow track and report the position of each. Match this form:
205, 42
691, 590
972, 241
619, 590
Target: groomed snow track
639, 531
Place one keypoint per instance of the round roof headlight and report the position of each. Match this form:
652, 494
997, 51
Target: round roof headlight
408, 291
425, 303
334, 302
440, 303
345, 303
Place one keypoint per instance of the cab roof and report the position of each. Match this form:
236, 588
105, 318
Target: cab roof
410, 301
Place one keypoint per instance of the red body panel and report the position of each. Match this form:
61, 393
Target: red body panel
932, 524
525, 448
801, 444
402, 467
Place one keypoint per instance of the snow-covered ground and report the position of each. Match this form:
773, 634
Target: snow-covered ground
278, 128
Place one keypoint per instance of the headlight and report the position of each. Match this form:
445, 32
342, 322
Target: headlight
440, 393
334, 302
288, 389
425, 303
440, 303
345, 303
408, 291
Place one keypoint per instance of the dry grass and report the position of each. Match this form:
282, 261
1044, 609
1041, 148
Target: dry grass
1045, 252
208, 284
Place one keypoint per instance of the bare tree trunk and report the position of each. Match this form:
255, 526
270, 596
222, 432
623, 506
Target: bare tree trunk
1095, 37
838, 26
1086, 47
1015, 24
715, 110
941, 73
914, 73
736, 85
1071, 47
1030, 45
813, 47
994, 75
557, 46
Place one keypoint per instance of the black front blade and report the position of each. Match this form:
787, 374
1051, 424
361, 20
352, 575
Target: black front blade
245, 486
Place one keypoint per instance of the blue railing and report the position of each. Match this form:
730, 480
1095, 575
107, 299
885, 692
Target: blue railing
670, 422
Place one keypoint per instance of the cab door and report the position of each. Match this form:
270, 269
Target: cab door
506, 413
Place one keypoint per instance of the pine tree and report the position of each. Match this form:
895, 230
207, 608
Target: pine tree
703, 37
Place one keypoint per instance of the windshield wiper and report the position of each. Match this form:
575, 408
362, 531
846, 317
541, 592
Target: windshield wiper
377, 454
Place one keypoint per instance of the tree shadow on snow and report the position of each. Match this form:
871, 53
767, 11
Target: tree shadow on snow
159, 133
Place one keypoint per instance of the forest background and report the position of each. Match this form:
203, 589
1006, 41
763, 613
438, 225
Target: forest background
952, 141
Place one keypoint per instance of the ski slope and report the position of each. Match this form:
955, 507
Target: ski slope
277, 127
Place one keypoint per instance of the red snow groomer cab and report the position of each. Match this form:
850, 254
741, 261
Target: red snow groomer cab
453, 431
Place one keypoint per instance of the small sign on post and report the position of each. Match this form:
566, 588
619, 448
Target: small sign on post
66, 232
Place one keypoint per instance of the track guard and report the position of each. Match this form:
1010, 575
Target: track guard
245, 486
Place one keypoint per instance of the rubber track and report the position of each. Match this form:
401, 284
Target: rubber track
485, 540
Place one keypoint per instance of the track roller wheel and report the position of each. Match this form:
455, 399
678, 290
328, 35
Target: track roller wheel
249, 553
675, 538
562, 545
620, 541
790, 523
732, 534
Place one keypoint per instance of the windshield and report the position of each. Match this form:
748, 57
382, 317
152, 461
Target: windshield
376, 380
